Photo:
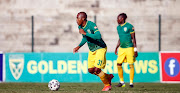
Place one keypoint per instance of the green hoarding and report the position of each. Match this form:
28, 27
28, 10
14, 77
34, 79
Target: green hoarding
69, 67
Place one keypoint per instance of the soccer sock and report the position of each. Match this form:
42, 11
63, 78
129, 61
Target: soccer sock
131, 73
104, 78
107, 75
120, 73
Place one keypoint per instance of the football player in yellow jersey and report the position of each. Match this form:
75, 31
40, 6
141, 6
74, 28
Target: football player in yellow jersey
97, 47
128, 49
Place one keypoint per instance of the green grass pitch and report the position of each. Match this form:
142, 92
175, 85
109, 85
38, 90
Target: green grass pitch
88, 88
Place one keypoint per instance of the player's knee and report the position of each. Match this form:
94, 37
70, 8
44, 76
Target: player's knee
119, 65
91, 70
97, 70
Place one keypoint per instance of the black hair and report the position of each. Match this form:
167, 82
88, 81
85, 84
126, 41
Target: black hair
123, 15
84, 15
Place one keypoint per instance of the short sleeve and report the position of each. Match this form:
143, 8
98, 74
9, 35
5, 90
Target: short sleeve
131, 29
94, 27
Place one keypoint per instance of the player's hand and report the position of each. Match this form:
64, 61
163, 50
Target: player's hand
135, 53
81, 31
75, 50
116, 51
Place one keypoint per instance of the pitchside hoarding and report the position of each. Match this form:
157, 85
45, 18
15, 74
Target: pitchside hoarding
1, 67
69, 67
170, 67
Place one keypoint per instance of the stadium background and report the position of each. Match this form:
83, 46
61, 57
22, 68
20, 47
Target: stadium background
53, 22
55, 28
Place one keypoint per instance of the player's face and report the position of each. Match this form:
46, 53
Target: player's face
120, 19
79, 20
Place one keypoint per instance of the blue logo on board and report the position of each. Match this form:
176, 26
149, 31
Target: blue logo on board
172, 67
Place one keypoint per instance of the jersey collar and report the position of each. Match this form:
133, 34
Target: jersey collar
85, 25
122, 24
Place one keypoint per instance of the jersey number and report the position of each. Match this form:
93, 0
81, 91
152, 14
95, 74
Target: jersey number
100, 62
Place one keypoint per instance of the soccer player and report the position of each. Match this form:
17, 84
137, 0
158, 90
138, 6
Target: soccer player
127, 51
97, 47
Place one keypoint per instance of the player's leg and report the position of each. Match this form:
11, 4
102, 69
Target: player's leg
91, 70
131, 60
100, 63
101, 54
120, 73
131, 74
91, 60
121, 58
104, 78
97, 71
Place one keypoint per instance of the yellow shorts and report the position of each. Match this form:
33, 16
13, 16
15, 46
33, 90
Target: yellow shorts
97, 58
126, 55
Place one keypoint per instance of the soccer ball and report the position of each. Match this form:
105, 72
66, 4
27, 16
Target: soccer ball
54, 85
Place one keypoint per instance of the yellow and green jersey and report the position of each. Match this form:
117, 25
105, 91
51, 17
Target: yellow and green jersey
92, 37
125, 32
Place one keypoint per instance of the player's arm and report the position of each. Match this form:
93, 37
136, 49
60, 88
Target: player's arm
134, 42
118, 44
83, 41
96, 35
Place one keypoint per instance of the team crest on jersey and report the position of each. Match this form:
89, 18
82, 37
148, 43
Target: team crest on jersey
125, 29
89, 31
16, 64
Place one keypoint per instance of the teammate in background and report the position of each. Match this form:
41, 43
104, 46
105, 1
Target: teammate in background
127, 51
97, 47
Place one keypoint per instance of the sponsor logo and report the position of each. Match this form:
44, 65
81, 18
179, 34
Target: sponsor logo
172, 67
16, 64
77, 67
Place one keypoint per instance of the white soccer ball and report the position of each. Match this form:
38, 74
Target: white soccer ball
54, 85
